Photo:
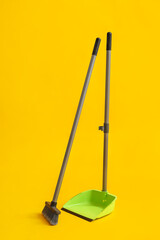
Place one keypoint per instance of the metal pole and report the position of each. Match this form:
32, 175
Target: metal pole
106, 116
74, 127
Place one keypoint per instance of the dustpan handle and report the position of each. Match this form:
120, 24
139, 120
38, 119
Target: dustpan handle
106, 116
77, 116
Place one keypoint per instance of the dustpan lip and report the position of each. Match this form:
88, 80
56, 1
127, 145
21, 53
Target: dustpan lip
77, 215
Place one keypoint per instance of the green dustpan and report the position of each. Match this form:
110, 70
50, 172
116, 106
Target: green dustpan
91, 204
94, 204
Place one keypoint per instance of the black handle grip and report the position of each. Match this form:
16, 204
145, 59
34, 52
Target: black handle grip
96, 46
109, 40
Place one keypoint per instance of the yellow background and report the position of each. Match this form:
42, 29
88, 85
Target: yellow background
45, 49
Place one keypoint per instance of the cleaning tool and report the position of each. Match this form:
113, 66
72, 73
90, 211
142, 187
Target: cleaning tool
50, 212
94, 204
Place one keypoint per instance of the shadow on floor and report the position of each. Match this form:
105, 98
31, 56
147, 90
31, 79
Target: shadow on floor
38, 217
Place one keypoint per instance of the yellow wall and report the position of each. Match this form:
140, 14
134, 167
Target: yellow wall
45, 48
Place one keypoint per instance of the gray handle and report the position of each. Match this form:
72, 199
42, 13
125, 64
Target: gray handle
75, 123
106, 115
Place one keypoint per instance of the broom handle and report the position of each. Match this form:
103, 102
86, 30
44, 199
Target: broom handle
106, 116
77, 116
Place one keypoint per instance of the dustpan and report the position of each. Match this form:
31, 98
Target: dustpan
94, 204
91, 204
